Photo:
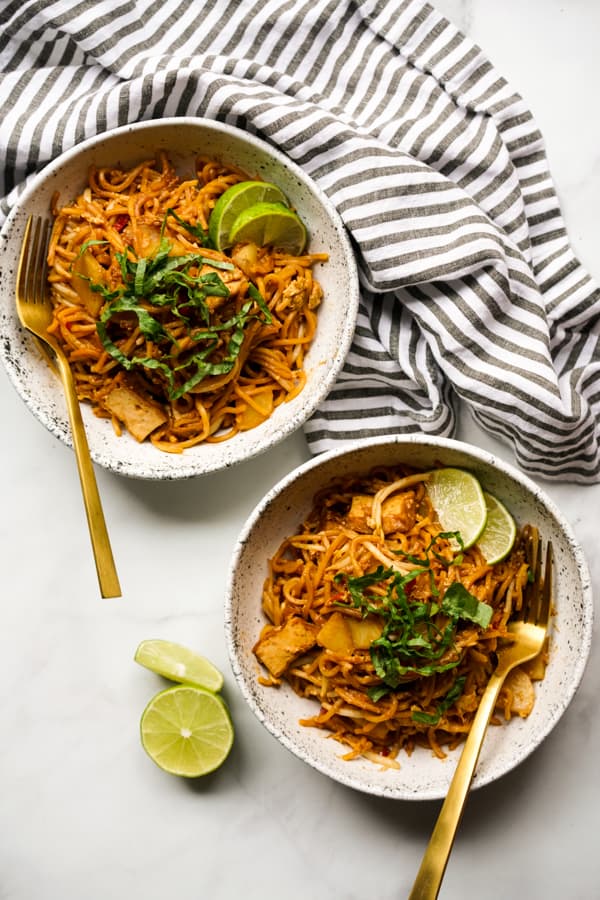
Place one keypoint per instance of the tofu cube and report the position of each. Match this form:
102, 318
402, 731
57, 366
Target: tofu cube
280, 646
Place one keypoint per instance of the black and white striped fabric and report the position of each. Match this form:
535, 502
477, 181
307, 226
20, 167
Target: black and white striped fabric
470, 290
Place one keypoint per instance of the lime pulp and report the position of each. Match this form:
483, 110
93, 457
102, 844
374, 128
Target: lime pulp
458, 500
500, 532
186, 731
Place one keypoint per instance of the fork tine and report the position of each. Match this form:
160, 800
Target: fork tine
22, 271
31, 286
531, 600
545, 607
39, 270
33, 267
43, 267
32, 301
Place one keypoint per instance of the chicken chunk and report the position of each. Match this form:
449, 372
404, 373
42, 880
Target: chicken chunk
295, 294
398, 513
280, 646
302, 292
140, 416
315, 296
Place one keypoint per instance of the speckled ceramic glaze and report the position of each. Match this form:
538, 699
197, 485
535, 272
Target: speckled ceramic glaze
184, 138
421, 776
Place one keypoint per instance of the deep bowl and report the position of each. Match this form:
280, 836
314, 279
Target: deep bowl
184, 138
421, 776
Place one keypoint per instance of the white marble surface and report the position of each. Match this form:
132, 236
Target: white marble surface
85, 815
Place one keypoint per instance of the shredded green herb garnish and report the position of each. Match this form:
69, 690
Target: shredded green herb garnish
416, 640
164, 281
92, 243
197, 231
449, 700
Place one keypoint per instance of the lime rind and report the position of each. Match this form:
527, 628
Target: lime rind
270, 224
187, 731
235, 200
498, 537
178, 663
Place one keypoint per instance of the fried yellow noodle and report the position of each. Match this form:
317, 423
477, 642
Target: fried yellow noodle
386, 622
167, 337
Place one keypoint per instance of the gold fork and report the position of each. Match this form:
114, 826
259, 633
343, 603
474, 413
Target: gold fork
35, 312
529, 635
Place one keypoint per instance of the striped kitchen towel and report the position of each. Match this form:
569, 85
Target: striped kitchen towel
471, 293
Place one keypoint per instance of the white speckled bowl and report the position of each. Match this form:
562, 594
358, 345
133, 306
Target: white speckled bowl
184, 138
421, 776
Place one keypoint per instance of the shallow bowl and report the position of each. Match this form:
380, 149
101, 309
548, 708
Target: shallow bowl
420, 776
184, 138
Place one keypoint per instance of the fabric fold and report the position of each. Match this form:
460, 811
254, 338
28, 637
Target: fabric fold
470, 289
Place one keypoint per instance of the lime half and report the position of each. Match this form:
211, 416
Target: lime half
270, 224
179, 664
500, 532
458, 500
186, 731
235, 200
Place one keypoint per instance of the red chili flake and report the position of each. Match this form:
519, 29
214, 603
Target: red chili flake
385, 751
121, 221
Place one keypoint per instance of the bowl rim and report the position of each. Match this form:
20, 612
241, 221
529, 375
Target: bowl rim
252, 445
480, 455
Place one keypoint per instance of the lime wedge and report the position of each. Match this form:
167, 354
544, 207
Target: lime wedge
186, 731
500, 532
179, 664
235, 200
458, 500
270, 223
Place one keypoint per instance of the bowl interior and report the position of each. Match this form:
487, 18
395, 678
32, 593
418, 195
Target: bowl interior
184, 139
421, 776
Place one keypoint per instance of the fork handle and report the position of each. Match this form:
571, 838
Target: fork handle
429, 877
105, 564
